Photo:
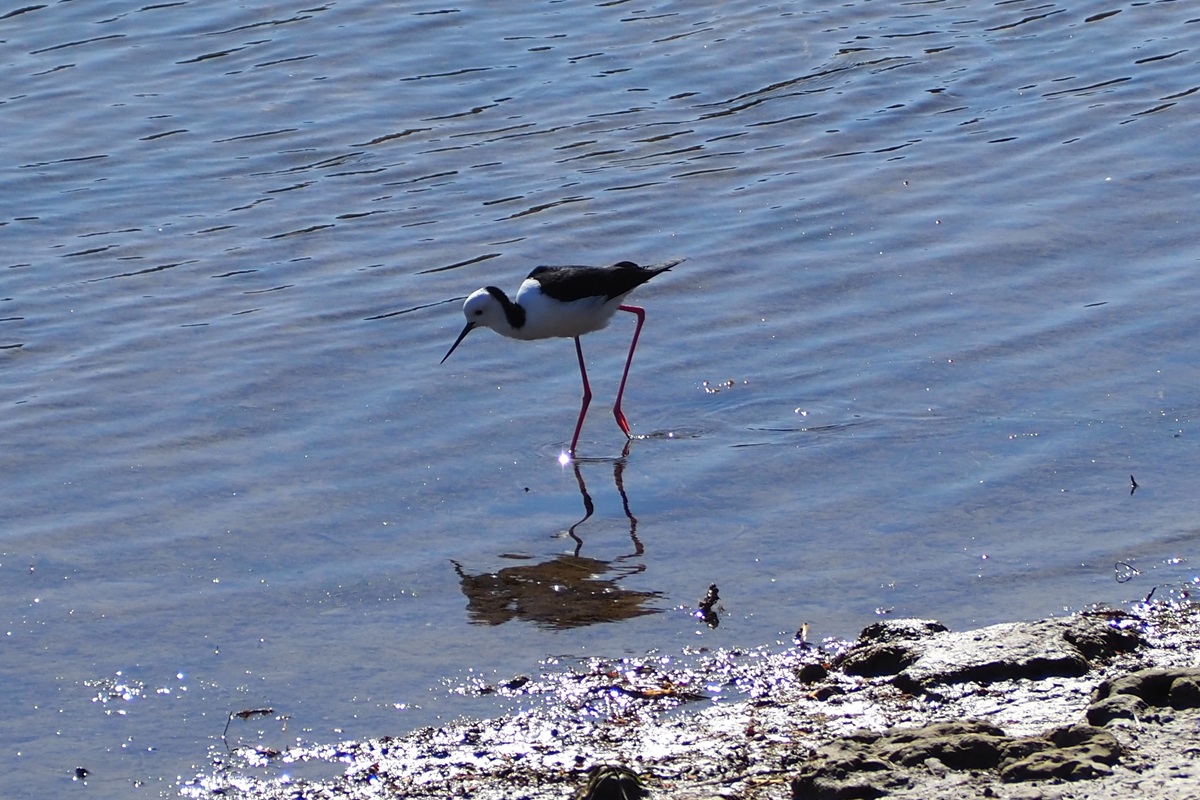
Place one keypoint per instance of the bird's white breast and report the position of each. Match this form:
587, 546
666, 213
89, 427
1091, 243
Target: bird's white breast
546, 317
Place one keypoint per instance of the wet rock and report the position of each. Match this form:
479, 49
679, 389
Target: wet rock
870, 765
1178, 688
1016, 749
1012, 651
885, 648
1074, 752
1185, 692
1053, 764
897, 630
846, 770
923, 653
1100, 637
1096, 742
811, 672
878, 660
1151, 685
972, 744
819, 787
1119, 706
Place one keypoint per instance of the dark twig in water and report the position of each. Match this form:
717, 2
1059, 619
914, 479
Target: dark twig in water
244, 714
1125, 572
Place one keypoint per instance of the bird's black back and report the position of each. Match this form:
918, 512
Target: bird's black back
576, 283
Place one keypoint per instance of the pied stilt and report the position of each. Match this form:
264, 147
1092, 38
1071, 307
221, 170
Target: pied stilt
564, 302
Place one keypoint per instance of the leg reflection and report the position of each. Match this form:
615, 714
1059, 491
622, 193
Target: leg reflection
589, 507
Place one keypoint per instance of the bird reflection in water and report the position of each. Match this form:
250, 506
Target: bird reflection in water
589, 507
567, 591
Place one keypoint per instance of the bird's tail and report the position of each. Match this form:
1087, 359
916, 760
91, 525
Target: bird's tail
665, 265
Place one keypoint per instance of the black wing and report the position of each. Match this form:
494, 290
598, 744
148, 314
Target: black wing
576, 283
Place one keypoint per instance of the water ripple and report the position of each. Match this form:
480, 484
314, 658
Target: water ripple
959, 235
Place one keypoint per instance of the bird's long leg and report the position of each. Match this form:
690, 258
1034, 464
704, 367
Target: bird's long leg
641, 317
587, 395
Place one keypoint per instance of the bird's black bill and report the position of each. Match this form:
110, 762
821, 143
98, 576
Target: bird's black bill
461, 336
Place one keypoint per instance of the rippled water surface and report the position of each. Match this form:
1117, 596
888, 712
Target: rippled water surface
939, 305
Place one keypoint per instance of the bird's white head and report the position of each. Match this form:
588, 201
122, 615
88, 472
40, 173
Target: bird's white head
482, 307
485, 308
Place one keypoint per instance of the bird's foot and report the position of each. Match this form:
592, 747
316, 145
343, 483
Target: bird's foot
622, 423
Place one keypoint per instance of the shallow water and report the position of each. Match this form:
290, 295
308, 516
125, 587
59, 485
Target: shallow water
938, 307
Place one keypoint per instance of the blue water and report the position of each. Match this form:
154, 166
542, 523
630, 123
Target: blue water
938, 307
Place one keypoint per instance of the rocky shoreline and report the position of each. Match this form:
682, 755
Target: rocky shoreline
1103, 704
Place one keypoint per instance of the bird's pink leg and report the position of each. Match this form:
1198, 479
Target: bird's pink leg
641, 317
587, 396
